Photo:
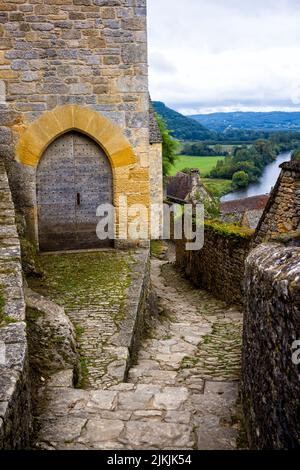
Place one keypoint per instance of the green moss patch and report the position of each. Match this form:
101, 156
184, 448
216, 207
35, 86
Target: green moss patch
231, 231
79, 279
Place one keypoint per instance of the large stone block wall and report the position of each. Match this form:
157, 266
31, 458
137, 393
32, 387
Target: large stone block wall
219, 265
15, 410
270, 379
91, 54
282, 213
156, 183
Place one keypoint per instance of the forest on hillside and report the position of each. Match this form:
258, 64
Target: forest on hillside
185, 128
271, 121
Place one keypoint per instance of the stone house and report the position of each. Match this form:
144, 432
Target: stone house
187, 188
75, 117
246, 212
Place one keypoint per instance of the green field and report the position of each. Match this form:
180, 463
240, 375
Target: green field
205, 164
217, 187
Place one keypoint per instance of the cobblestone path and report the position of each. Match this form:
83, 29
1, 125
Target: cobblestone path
91, 286
181, 393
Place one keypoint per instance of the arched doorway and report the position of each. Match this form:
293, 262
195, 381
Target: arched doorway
74, 177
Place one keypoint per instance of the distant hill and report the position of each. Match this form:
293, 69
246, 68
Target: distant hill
273, 121
182, 127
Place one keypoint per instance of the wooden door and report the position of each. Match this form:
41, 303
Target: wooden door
73, 178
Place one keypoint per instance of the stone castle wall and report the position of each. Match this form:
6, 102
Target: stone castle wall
156, 184
91, 54
15, 409
282, 213
270, 379
219, 265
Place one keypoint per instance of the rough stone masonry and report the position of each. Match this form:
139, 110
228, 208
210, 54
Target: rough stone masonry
85, 62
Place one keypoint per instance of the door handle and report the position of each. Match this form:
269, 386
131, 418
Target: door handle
78, 199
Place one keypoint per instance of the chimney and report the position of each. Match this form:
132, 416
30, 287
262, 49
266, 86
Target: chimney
194, 179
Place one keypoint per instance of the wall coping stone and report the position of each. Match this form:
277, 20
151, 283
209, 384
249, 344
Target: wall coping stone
292, 165
15, 409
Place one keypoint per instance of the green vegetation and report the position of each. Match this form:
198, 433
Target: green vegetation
278, 128
272, 121
248, 162
170, 147
229, 230
204, 164
30, 260
2, 303
240, 179
217, 187
4, 319
72, 279
32, 314
182, 127
296, 155
199, 149
157, 248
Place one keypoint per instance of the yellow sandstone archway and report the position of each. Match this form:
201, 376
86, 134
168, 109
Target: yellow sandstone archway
41, 133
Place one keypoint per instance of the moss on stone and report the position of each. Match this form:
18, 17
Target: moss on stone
158, 248
90, 286
32, 314
231, 231
289, 238
29, 255
4, 319
2, 302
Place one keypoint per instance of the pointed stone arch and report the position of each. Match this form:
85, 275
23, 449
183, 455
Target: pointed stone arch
52, 124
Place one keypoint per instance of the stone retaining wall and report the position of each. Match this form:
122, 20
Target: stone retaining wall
282, 213
15, 410
137, 297
219, 266
270, 379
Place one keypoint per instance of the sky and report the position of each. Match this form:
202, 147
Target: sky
225, 55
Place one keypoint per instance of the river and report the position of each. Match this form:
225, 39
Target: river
264, 184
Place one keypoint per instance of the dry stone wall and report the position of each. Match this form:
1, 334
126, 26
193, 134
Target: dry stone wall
270, 377
15, 410
282, 213
219, 265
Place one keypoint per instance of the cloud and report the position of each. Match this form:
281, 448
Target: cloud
208, 54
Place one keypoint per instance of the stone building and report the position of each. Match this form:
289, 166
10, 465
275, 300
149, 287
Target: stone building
282, 212
246, 212
75, 114
187, 188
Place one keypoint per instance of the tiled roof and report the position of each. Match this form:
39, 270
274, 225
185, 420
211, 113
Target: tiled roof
243, 205
179, 186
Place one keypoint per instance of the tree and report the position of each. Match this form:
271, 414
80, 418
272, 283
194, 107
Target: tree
240, 179
296, 155
170, 146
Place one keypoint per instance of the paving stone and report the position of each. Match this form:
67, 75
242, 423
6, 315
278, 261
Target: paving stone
62, 379
181, 417
101, 430
135, 400
179, 395
159, 435
211, 436
62, 429
102, 400
172, 398
145, 415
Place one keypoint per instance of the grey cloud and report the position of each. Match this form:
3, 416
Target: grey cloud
214, 51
